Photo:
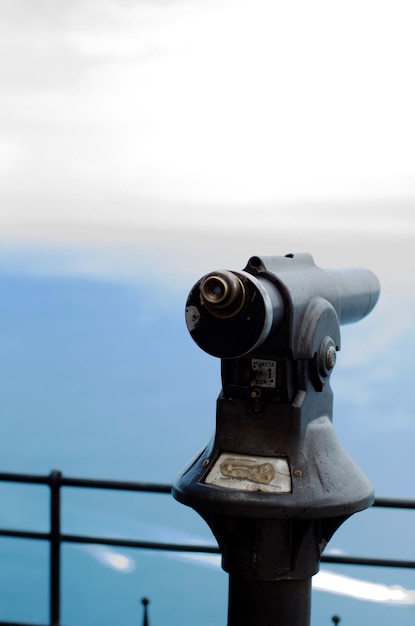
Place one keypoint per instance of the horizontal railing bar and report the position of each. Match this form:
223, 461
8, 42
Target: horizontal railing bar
354, 560
112, 541
24, 478
24, 534
394, 503
125, 485
90, 483
204, 549
122, 485
175, 547
136, 543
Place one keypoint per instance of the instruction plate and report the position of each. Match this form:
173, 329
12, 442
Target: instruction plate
250, 473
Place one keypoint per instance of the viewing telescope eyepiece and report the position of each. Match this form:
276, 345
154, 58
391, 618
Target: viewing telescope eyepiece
229, 313
223, 294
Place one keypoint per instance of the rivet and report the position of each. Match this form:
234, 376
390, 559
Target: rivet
206, 462
331, 358
298, 473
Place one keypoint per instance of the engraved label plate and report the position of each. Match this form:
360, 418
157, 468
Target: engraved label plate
250, 473
264, 373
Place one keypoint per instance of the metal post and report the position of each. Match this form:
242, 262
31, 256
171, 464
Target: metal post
55, 547
269, 603
145, 602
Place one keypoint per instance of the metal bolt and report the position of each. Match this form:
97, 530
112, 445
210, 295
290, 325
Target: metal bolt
206, 462
298, 473
331, 358
326, 357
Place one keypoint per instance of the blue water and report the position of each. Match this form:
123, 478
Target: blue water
99, 378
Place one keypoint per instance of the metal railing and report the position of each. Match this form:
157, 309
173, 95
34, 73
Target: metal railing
56, 480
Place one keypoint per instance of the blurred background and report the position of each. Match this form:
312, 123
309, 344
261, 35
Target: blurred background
143, 144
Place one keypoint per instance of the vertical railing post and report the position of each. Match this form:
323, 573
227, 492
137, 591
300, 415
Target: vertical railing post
55, 547
145, 602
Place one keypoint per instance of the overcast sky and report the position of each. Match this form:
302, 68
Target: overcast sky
124, 120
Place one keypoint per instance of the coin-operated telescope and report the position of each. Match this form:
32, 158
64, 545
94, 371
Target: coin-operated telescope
274, 484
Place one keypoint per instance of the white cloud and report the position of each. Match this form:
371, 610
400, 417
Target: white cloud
244, 101
239, 116
363, 590
111, 558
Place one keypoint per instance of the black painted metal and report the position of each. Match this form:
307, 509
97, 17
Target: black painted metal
394, 503
359, 560
55, 481
272, 603
145, 602
55, 547
89, 483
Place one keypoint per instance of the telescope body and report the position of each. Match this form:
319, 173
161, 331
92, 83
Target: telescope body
261, 307
275, 483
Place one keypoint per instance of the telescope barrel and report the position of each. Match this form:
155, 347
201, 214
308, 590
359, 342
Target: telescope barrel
358, 291
229, 314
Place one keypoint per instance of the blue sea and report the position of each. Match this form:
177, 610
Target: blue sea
99, 378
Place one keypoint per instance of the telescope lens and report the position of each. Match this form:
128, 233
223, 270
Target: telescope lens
223, 294
214, 289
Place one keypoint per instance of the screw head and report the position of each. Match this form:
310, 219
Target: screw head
326, 357
331, 358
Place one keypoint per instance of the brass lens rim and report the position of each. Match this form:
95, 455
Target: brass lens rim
222, 293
